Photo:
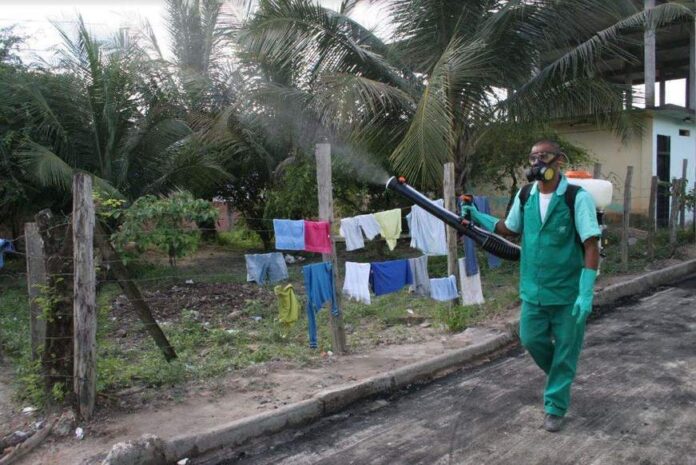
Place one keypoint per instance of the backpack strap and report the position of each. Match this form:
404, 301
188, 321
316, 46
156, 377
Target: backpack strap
570, 194
524, 194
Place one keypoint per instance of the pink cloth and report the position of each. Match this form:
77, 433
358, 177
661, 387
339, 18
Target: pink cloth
317, 236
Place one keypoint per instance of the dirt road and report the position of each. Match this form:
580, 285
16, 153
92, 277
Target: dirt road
634, 402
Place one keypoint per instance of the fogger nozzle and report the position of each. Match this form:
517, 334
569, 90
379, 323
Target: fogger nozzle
488, 241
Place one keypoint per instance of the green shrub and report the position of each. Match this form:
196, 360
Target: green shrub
241, 237
166, 223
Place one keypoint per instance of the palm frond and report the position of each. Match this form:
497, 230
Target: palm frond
314, 40
431, 137
51, 171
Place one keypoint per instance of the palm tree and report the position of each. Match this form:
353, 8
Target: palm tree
95, 111
432, 93
205, 84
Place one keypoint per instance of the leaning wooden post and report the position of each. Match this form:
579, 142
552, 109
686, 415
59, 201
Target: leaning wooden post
451, 205
84, 297
36, 281
325, 194
673, 211
597, 171
651, 217
626, 218
132, 291
682, 195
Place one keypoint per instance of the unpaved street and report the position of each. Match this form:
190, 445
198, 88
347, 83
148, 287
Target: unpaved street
634, 402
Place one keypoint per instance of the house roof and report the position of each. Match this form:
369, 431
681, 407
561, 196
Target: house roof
671, 53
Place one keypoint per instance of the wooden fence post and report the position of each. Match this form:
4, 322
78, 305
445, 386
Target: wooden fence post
682, 195
626, 218
84, 296
674, 211
651, 217
451, 205
325, 194
36, 281
57, 356
597, 171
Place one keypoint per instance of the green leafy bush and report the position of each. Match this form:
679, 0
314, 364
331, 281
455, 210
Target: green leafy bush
166, 223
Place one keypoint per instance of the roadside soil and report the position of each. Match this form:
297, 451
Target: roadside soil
202, 406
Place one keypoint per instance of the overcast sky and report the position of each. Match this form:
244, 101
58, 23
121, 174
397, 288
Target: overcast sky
34, 20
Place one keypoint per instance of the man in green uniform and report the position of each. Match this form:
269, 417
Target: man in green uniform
559, 261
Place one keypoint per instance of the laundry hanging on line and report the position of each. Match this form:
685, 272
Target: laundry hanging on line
353, 228
419, 272
289, 234
472, 267
356, 284
369, 225
268, 267
390, 276
351, 231
318, 236
389, 226
444, 289
472, 294
427, 231
320, 289
288, 305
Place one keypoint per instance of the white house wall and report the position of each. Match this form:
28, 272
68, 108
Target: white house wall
681, 148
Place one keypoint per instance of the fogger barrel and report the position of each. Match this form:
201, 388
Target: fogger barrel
487, 241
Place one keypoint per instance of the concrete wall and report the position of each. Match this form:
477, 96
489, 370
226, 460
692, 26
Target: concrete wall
615, 155
682, 147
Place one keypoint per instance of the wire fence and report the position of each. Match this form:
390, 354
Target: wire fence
150, 280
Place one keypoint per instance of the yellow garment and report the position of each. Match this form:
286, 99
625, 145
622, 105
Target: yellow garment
288, 306
389, 226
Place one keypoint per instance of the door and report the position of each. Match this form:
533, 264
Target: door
663, 162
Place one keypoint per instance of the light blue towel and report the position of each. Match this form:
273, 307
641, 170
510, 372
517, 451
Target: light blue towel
289, 234
427, 231
444, 289
5, 246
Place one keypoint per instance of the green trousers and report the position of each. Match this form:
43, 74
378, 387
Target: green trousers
554, 340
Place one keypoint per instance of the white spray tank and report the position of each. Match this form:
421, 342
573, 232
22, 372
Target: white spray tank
601, 192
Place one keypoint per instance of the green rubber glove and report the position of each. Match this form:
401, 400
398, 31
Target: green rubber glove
583, 304
484, 220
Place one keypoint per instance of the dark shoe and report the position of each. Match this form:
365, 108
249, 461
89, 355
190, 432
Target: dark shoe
552, 423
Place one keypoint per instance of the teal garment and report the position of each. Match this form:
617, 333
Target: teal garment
554, 340
583, 304
552, 259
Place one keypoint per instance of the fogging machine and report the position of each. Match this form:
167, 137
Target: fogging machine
488, 241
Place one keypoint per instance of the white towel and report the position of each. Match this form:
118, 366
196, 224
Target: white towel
427, 231
369, 225
470, 286
350, 229
357, 282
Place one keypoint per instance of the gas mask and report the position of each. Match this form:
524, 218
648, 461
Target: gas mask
540, 169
